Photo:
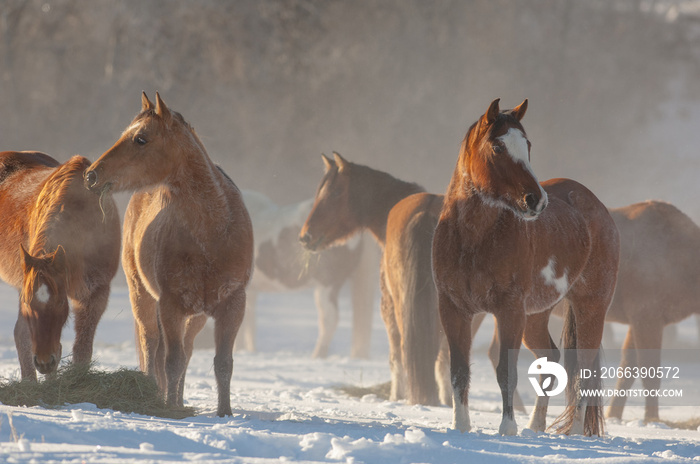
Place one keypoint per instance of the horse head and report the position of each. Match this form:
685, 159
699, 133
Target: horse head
331, 220
495, 163
44, 305
145, 153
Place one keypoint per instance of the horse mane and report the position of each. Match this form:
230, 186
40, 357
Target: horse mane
52, 198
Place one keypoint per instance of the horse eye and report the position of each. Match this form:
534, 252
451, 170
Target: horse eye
140, 140
497, 148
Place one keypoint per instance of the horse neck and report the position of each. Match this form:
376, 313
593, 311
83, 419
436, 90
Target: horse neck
194, 185
466, 207
374, 194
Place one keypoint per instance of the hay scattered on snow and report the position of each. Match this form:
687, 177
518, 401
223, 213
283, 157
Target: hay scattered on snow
125, 390
690, 424
382, 390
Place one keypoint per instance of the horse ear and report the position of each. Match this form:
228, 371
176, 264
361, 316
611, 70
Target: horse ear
161, 109
145, 102
493, 111
26, 259
340, 161
327, 162
58, 260
519, 111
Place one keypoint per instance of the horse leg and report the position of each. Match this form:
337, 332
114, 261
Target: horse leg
193, 326
457, 325
583, 333
629, 359
145, 310
493, 353
442, 372
23, 342
647, 340
538, 340
88, 313
398, 381
227, 321
363, 287
327, 305
173, 327
510, 332
246, 334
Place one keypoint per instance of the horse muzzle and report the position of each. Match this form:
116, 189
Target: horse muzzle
47, 365
309, 242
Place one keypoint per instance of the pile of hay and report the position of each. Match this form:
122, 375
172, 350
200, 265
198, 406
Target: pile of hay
382, 390
124, 390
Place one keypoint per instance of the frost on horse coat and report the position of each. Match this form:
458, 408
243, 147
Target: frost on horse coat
188, 245
59, 243
352, 197
511, 247
282, 264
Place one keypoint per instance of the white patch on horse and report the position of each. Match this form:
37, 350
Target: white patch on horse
560, 284
516, 144
42, 294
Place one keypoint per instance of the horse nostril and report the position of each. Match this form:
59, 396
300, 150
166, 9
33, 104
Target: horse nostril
90, 178
531, 201
305, 239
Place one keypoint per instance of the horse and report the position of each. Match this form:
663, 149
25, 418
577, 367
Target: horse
654, 236
507, 245
401, 217
60, 243
188, 245
657, 286
282, 265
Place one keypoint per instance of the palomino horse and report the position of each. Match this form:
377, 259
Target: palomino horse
188, 245
352, 197
59, 243
282, 265
511, 247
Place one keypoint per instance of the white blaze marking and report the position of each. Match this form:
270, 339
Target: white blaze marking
42, 295
516, 144
561, 284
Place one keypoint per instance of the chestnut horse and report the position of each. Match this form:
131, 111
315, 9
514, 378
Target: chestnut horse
188, 245
657, 285
352, 197
511, 247
282, 265
59, 243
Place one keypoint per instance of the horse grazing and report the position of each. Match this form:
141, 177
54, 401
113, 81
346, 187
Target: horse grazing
188, 245
511, 247
352, 197
282, 265
657, 285
60, 243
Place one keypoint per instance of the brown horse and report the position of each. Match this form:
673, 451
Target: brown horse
188, 245
657, 285
59, 243
511, 247
282, 265
352, 197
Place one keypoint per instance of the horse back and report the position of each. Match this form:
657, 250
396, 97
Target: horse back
659, 263
12, 162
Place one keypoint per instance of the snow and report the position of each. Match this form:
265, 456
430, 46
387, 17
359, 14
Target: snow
286, 408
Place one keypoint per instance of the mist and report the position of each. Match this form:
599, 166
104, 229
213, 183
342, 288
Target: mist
269, 85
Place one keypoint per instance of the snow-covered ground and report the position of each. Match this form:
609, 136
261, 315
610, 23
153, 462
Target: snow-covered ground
287, 408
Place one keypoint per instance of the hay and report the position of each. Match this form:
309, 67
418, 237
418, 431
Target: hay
125, 390
690, 424
382, 390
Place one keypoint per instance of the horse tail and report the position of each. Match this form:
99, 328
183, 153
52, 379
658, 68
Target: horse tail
594, 421
420, 341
